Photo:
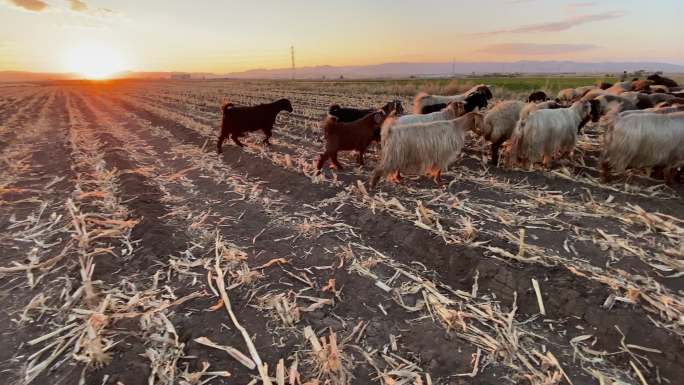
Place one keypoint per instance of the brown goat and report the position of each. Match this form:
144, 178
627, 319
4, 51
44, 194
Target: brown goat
239, 120
354, 136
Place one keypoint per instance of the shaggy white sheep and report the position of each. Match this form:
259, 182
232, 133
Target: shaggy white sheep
499, 124
425, 147
644, 139
546, 133
452, 111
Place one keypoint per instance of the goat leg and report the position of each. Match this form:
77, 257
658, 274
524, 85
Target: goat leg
219, 144
268, 136
377, 174
658, 172
336, 162
321, 162
437, 177
670, 174
394, 177
495, 153
605, 171
235, 139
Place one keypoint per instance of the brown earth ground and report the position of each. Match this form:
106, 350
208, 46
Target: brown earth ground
117, 220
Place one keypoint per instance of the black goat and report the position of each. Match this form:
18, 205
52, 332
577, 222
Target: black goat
239, 120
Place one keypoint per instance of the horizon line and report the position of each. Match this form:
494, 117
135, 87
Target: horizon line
361, 65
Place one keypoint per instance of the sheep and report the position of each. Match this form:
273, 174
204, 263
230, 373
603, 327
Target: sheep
537, 96
604, 103
615, 108
619, 88
640, 99
569, 95
452, 111
662, 81
239, 120
472, 101
667, 109
640, 140
499, 124
672, 102
641, 85
660, 109
422, 101
425, 147
531, 107
348, 115
658, 88
657, 98
344, 136
581, 91
547, 132
593, 94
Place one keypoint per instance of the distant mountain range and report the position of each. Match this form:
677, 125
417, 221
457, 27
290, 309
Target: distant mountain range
397, 70
386, 70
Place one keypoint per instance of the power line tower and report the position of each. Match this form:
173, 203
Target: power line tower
292, 58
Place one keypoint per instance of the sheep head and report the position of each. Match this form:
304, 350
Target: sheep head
582, 108
393, 106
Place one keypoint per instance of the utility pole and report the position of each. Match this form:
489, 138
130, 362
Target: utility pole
292, 57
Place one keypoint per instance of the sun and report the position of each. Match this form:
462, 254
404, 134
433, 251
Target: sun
95, 61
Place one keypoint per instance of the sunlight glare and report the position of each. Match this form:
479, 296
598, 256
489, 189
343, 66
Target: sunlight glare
95, 61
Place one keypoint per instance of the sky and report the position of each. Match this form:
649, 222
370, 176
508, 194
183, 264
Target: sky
225, 36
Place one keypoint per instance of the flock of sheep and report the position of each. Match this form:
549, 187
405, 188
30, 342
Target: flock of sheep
643, 122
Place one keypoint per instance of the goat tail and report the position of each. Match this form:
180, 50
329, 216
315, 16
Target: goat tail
418, 102
386, 127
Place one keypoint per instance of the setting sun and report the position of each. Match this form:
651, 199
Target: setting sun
95, 61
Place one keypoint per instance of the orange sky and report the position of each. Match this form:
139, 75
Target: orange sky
224, 36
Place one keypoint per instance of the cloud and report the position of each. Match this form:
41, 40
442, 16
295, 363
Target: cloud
78, 6
83, 8
556, 26
31, 5
536, 49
